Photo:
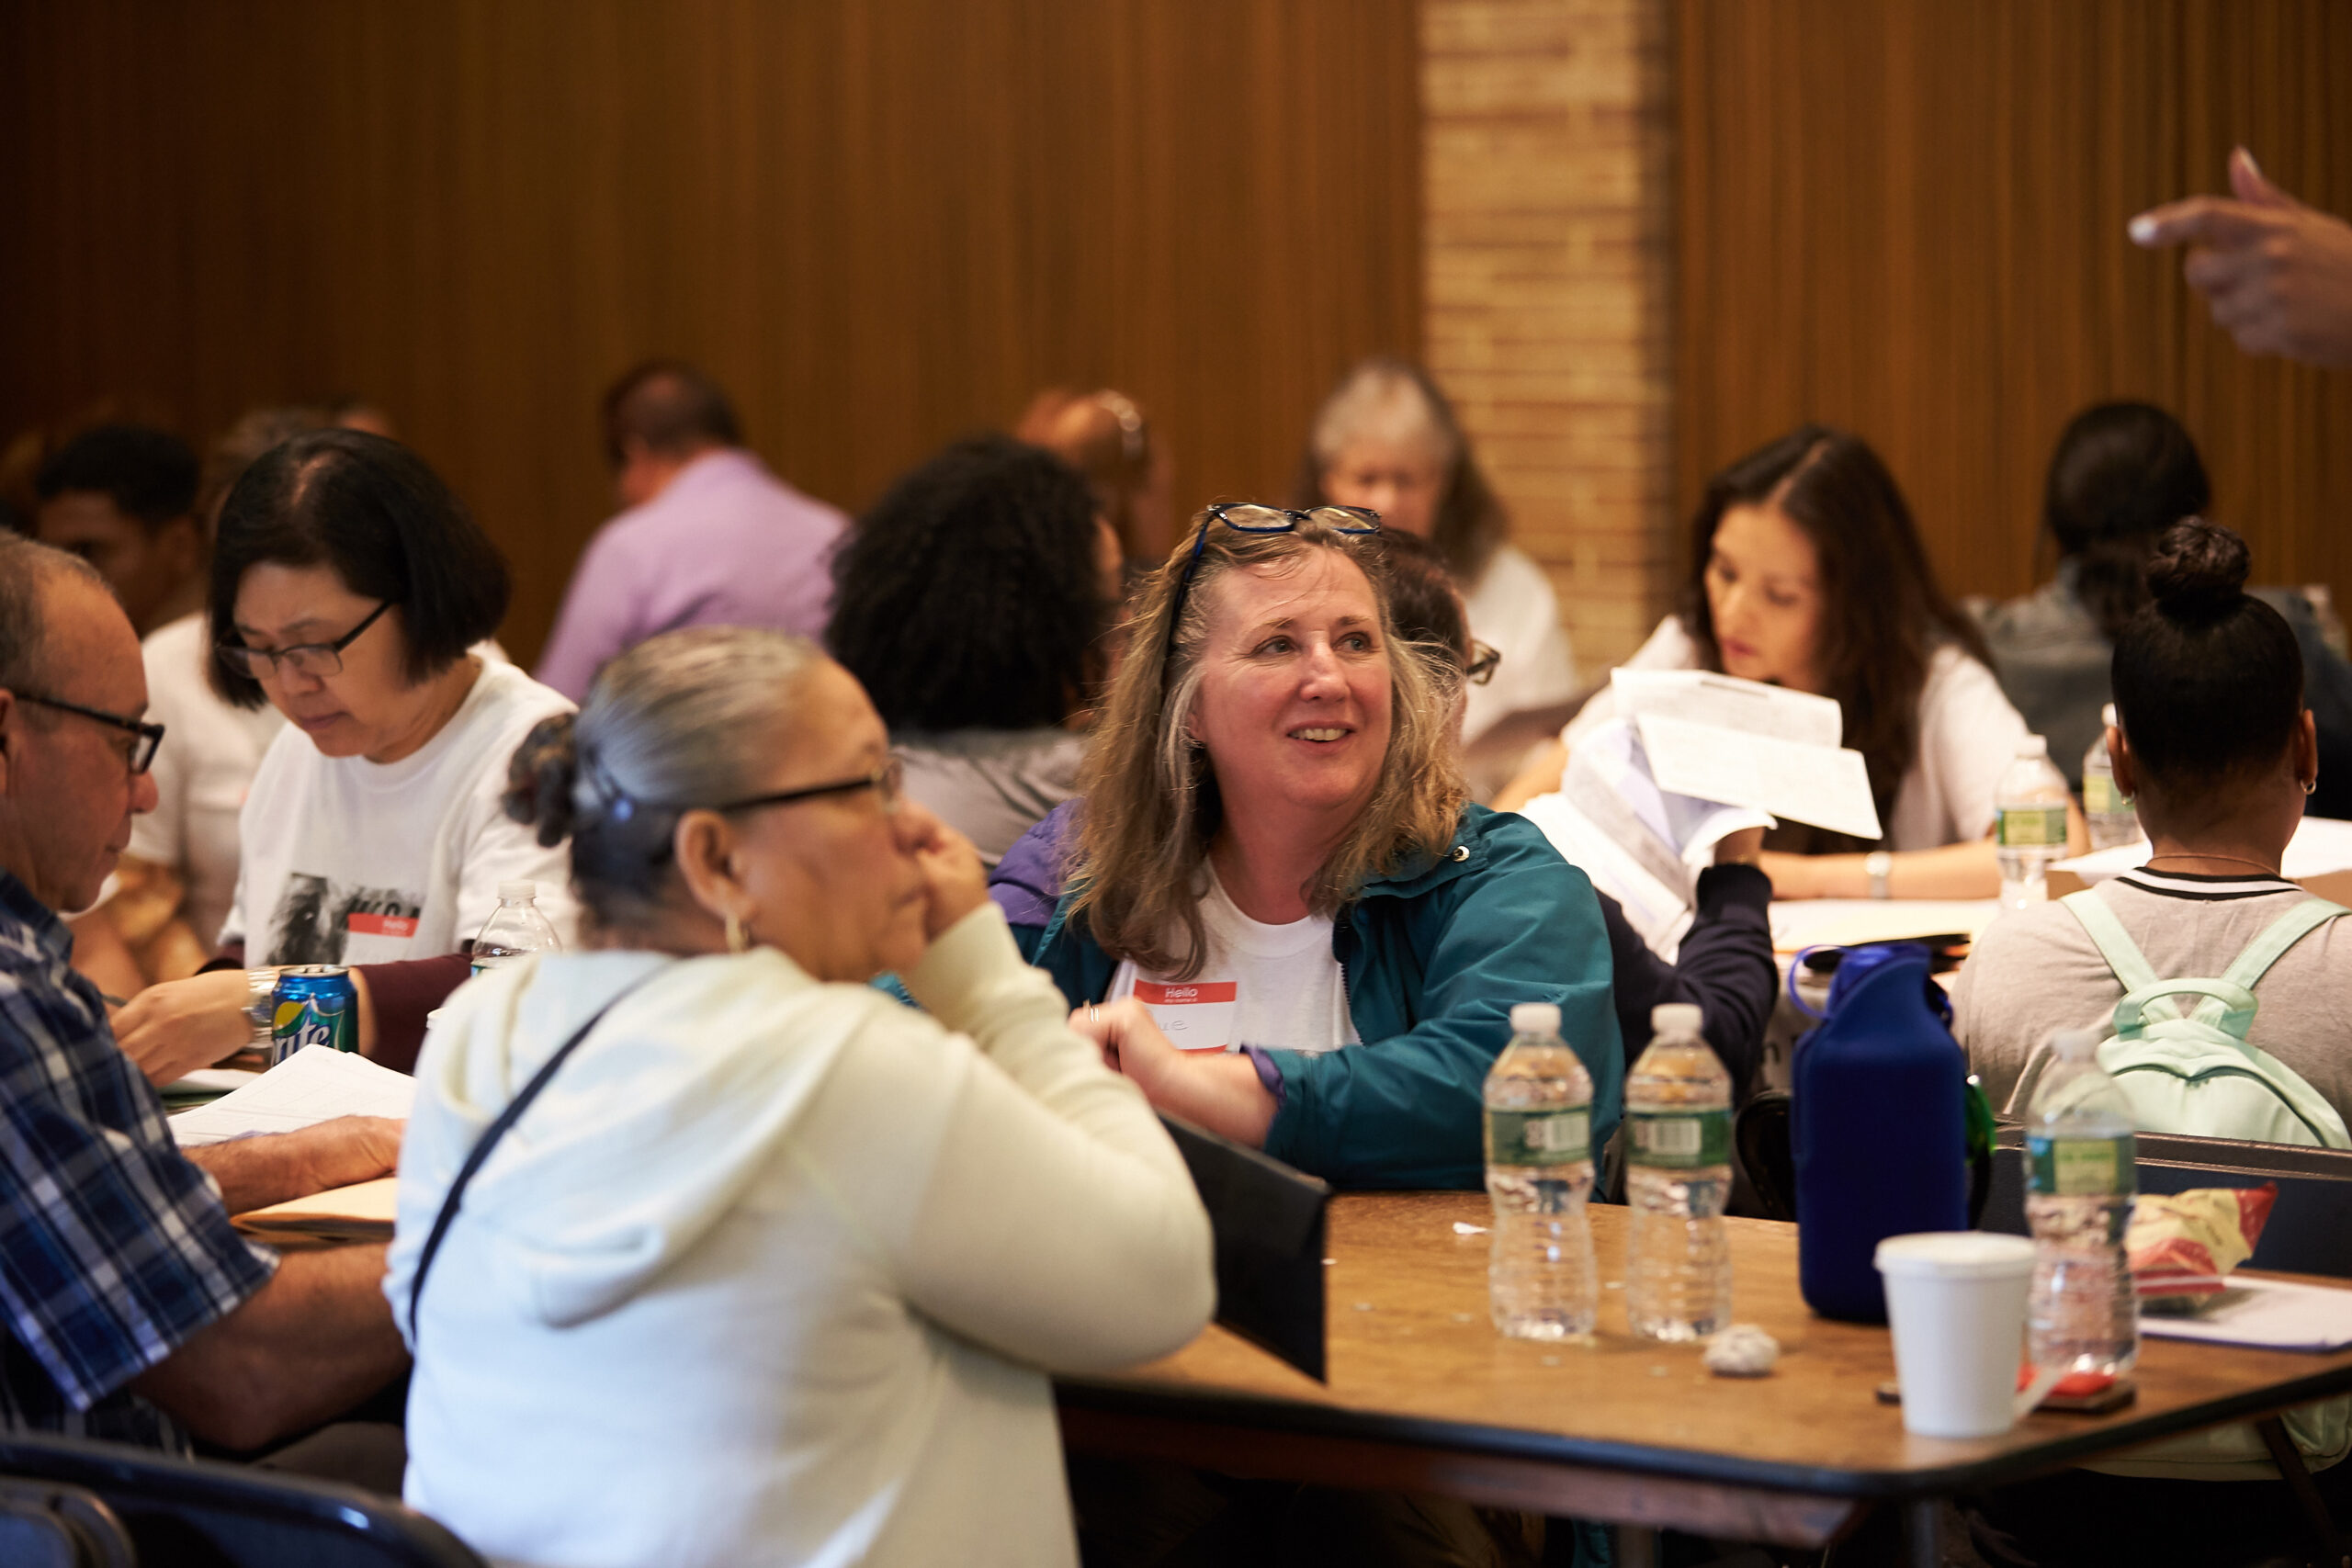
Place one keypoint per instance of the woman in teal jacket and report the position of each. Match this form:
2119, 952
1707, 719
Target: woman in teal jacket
1276, 869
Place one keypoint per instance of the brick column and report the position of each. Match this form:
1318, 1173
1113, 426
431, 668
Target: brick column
1549, 198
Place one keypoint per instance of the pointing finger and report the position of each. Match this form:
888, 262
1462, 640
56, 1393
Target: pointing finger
2202, 220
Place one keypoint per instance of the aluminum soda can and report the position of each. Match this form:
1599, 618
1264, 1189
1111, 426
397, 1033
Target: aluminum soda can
314, 1005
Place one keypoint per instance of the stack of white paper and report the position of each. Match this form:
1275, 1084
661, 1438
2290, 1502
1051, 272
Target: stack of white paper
316, 1083
1689, 759
2321, 847
2271, 1315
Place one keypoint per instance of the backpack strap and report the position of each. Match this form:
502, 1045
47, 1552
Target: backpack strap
2282, 934
2229, 1006
2115, 944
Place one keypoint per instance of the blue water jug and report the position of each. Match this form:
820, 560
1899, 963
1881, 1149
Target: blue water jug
1877, 1126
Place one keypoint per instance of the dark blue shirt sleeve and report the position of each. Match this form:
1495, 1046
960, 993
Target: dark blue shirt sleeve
114, 1247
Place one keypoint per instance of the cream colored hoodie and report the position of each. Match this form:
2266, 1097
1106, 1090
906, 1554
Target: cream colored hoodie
774, 1270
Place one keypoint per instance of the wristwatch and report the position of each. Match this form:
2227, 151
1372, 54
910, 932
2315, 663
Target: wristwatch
1878, 865
261, 989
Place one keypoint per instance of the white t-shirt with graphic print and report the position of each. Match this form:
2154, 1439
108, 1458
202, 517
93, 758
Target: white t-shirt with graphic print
352, 862
1262, 985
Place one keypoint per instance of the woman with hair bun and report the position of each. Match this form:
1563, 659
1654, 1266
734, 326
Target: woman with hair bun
776, 1267
2213, 742
2124, 473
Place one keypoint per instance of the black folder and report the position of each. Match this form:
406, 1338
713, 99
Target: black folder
1269, 1223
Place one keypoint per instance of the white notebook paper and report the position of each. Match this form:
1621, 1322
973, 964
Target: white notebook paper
316, 1083
2267, 1314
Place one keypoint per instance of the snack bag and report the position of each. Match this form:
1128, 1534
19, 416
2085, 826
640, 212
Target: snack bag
2184, 1245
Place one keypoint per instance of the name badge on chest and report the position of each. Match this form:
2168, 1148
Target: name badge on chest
1196, 1015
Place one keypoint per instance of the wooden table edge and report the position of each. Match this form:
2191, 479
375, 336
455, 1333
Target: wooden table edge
1101, 1413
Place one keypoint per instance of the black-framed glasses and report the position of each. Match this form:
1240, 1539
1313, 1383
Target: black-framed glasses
149, 733
314, 659
1253, 517
1485, 657
888, 781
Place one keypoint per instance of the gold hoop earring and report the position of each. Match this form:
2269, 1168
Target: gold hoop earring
2310, 785
737, 940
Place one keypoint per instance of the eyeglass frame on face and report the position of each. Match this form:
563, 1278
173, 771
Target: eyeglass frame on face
888, 781
149, 733
243, 660
1485, 657
1366, 520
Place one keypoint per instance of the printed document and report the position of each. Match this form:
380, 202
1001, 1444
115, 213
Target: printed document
1688, 759
316, 1083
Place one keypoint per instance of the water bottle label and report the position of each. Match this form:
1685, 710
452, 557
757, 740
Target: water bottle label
2082, 1167
1538, 1137
2026, 827
2101, 799
1681, 1140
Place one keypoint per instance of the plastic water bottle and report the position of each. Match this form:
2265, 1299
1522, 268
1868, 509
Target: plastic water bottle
2113, 820
2032, 801
1677, 1178
1539, 1274
514, 927
2084, 1311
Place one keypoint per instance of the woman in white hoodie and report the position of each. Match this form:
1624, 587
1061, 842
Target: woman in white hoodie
776, 1267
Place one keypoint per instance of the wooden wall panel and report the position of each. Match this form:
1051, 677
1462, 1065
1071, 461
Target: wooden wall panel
879, 224
1907, 217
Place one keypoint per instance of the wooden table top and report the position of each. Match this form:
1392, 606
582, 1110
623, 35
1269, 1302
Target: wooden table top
1414, 1359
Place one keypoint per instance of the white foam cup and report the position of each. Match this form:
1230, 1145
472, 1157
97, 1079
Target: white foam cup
1956, 1299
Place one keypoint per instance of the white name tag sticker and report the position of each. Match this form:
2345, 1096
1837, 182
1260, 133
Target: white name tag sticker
1196, 1015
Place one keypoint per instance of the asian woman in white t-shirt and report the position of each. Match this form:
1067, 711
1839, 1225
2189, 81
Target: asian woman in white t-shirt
1808, 572
349, 591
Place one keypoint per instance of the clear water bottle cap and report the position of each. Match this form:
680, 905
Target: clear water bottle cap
2074, 1044
2033, 746
515, 892
2106, 714
1534, 1017
1676, 1018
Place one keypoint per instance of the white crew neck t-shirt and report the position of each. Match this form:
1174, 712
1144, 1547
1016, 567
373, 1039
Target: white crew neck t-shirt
352, 862
1262, 985
202, 771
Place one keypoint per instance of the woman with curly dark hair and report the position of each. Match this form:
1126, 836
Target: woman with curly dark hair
972, 603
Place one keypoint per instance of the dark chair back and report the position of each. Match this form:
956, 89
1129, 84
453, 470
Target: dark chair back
45, 1525
201, 1514
2309, 1229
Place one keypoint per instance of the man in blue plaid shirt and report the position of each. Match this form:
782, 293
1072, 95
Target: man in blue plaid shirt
132, 1310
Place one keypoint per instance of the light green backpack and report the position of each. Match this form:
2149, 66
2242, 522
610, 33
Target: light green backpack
2197, 1076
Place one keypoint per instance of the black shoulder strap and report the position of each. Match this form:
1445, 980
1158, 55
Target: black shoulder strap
489, 1141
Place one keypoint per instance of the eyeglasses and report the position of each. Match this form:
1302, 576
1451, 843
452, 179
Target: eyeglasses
1484, 657
889, 781
149, 735
1249, 517
308, 658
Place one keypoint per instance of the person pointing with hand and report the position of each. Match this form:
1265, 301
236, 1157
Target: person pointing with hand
2276, 272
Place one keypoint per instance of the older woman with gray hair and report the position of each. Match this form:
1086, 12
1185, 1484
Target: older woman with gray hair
775, 1268
1386, 439
1278, 913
